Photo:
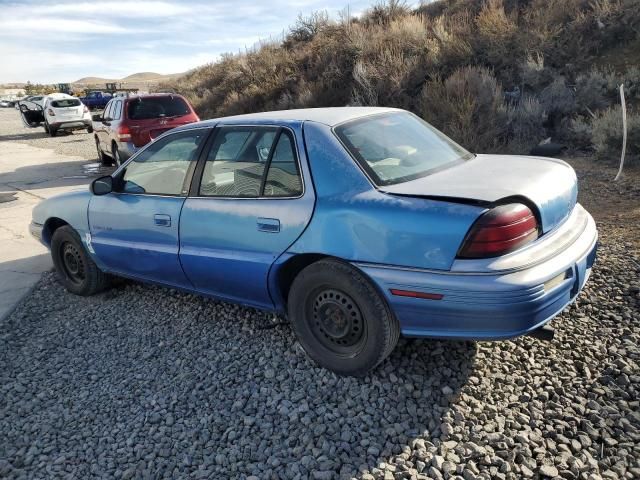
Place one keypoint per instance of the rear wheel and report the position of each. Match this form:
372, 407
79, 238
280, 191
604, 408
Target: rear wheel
52, 131
102, 158
115, 155
77, 271
46, 127
89, 129
341, 320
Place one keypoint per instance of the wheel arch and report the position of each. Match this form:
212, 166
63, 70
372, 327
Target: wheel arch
286, 272
49, 228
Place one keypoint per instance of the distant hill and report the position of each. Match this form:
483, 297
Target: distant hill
141, 77
92, 80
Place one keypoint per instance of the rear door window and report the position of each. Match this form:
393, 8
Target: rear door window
157, 107
251, 162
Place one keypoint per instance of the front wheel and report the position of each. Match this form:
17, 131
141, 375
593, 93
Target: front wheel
77, 271
340, 319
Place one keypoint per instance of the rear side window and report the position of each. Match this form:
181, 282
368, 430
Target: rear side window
251, 162
107, 110
157, 107
283, 178
117, 109
64, 103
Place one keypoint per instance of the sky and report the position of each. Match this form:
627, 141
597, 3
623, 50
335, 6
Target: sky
53, 42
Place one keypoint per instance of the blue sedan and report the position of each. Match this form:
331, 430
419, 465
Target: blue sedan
358, 224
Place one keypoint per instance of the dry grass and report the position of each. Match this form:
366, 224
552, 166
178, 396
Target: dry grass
393, 56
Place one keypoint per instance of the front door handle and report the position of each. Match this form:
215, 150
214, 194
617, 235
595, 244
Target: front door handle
162, 220
270, 225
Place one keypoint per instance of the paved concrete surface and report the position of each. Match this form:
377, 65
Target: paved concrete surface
27, 176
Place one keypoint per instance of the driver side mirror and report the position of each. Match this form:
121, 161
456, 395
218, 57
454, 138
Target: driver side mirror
102, 185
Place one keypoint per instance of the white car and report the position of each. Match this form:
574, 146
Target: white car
64, 112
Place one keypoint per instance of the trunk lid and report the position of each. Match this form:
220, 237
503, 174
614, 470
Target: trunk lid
550, 184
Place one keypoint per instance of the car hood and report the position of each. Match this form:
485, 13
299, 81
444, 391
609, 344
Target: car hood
548, 183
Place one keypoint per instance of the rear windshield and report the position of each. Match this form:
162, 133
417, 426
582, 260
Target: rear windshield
398, 147
67, 102
156, 107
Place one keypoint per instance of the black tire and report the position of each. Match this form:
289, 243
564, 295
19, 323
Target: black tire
46, 127
115, 155
102, 158
89, 129
340, 319
53, 131
77, 271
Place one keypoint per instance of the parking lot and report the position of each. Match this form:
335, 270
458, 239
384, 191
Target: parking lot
147, 382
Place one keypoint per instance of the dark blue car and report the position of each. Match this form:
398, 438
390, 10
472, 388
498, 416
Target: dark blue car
358, 224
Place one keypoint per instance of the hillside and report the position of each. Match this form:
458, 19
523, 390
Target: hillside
496, 75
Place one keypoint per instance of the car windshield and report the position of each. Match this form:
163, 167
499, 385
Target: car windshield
67, 102
398, 147
157, 107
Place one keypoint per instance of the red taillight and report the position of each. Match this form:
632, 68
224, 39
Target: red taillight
124, 134
51, 112
86, 110
501, 230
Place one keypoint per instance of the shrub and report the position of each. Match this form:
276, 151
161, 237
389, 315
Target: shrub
607, 134
591, 91
580, 132
524, 125
467, 106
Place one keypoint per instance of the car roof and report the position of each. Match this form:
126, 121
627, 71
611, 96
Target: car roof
330, 116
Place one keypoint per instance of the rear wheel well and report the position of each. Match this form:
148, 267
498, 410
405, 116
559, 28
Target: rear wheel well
50, 226
290, 270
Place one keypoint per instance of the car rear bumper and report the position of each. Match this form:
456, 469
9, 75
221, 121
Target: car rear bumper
72, 125
490, 305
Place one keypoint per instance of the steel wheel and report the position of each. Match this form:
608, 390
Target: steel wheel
336, 322
73, 263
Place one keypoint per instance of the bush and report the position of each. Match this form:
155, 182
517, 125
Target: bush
607, 134
467, 106
524, 125
580, 132
447, 60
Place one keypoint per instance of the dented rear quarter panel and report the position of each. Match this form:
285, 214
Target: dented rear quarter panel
354, 221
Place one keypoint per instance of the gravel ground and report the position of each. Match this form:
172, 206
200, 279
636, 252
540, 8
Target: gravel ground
146, 382
78, 143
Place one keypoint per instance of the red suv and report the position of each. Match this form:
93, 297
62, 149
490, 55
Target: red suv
129, 123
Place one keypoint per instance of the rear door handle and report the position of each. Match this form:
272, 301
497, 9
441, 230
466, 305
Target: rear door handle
162, 220
270, 225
